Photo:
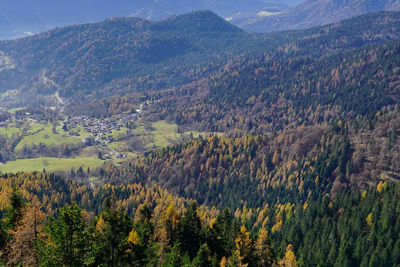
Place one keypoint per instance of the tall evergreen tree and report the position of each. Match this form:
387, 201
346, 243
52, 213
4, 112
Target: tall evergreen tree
203, 257
190, 231
141, 238
3, 235
170, 224
173, 258
222, 234
113, 231
69, 241
15, 210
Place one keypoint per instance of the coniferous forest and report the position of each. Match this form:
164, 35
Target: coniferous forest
135, 225
289, 152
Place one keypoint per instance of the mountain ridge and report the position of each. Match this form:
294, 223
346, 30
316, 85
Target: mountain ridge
130, 45
123, 55
311, 13
42, 15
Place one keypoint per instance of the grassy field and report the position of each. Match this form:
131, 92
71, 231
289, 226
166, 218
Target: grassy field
156, 135
50, 164
163, 134
116, 134
82, 133
35, 127
78, 129
41, 133
9, 131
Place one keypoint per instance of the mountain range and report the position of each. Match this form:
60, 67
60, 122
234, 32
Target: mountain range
21, 18
311, 13
117, 53
124, 55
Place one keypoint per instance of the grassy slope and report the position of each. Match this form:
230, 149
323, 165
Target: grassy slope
50, 164
43, 134
163, 134
9, 131
155, 135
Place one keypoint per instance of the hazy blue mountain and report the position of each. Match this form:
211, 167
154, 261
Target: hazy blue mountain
24, 16
310, 13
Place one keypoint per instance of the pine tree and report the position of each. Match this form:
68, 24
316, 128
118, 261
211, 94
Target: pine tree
68, 238
233, 260
290, 258
222, 234
203, 258
14, 212
170, 224
223, 262
3, 235
189, 235
243, 246
112, 236
262, 249
12, 218
141, 238
146, 213
173, 258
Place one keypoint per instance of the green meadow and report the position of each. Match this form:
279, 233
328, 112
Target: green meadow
43, 133
155, 135
50, 164
9, 131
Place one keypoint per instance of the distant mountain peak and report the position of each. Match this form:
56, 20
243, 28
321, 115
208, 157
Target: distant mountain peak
202, 21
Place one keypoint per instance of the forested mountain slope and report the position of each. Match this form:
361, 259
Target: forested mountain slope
52, 192
268, 94
115, 53
353, 228
294, 165
123, 55
268, 48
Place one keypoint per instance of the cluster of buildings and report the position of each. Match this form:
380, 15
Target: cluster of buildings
100, 130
